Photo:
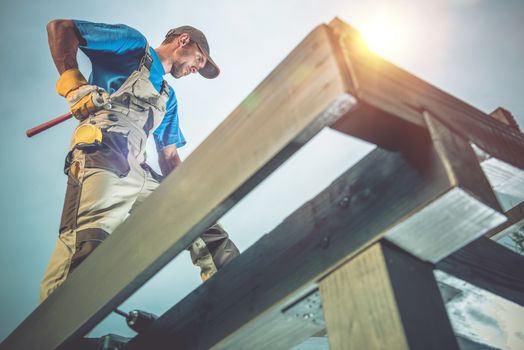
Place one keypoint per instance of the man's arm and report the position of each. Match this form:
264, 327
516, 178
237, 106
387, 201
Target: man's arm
168, 137
168, 159
64, 40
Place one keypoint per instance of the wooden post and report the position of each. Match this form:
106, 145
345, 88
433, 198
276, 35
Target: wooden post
385, 299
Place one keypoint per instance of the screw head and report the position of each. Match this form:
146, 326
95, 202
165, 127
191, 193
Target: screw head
344, 202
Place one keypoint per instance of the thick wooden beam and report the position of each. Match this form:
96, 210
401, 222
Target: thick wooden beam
385, 299
467, 211
244, 302
489, 266
303, 94
391, 98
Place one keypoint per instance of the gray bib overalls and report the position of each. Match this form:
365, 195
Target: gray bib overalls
106, 182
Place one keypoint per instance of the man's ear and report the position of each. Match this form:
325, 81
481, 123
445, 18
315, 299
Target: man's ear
184, 39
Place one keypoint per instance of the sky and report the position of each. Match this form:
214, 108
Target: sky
472, 49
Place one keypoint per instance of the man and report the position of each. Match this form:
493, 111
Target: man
122, 103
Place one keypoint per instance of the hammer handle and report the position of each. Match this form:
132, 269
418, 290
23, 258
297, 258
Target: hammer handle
44, 126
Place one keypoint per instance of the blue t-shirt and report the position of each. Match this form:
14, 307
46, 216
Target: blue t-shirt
115, 51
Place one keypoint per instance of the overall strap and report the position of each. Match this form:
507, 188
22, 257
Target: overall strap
146, 62
165, 88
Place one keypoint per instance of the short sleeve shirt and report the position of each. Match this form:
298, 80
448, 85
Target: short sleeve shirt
115, 51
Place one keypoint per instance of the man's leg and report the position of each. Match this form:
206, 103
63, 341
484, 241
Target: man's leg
96, 202
212, 250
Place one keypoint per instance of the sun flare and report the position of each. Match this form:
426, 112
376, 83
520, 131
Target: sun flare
384, 37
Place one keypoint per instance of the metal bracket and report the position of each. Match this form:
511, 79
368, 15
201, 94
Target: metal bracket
308, 309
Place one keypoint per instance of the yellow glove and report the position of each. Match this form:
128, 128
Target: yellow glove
83, 99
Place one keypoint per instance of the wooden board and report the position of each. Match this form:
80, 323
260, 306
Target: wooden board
504, 178
490, 266
307, 91
385, 299
302, 95
515, 220
243, 301
467, 211
505, 116
390, 98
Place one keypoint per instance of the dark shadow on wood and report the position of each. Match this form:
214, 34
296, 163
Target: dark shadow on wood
490, 266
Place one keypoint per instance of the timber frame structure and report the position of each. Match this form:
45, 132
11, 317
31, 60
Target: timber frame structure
357, 260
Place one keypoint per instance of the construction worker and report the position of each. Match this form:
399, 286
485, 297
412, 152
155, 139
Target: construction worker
123, 102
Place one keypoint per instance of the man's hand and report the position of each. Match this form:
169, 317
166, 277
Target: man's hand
83, 99
87, 99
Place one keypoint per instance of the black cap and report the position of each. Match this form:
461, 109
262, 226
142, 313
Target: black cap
210, 70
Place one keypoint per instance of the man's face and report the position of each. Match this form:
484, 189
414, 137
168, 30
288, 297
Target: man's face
187, 59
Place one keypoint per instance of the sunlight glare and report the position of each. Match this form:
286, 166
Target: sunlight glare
385, 37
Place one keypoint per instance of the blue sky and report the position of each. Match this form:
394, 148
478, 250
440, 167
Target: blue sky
472, 49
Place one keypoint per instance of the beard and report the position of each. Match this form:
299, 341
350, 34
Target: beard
177, 70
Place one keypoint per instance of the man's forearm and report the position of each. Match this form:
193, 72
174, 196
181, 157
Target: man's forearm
168, 159
63, 42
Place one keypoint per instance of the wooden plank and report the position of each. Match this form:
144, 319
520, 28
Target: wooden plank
244, 301
504, 178
384, 87
302, 95
489, 266
515, 220
385, 299
461, 161
505, 116
467, 211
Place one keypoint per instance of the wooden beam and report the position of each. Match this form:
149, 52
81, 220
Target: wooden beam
515, 220
303, 94
489, 266
467, 211
244, 302
393, 97
505, 116
504, 178
460, 161
385, 298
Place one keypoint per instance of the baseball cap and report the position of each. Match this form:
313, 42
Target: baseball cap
210, 70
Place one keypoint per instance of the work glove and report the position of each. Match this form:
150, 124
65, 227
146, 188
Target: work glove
84, 99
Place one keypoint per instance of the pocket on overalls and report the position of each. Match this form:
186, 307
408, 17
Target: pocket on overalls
72, 197
86, 242
110, 155
156, 176
144, 91
136, 106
